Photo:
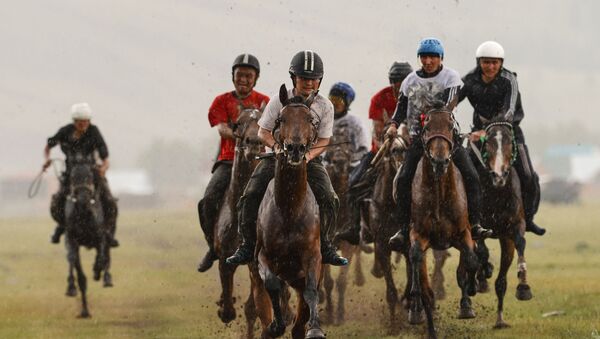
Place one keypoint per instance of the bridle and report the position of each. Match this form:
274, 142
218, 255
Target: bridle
429, 138
510, 127
315, 121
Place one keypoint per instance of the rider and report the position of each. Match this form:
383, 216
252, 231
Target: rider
80, 137
382, 105
493, 90
223, 113
431, 55
306, 71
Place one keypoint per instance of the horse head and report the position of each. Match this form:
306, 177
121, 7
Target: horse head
81, 180
297, 127
499, 150
339, 155
245, 130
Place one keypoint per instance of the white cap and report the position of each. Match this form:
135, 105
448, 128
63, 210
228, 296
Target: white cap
81, 111
490, 49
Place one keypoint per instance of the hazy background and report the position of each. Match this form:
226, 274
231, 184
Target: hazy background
151, 69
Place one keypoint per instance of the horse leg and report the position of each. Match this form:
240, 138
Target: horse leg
273, 286
75, 260
507, 247
486, 268
261, 301
226, 310
383, 258
302, 316
250, 311
311, 297
326, 292
107, 278
428, 299
466, 275
438, 274
71, 289
523, 289
359, 276
342, 280
416, 256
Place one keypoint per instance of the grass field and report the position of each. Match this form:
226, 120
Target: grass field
158, 293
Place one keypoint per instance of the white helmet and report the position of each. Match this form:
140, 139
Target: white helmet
490, 49
81, 111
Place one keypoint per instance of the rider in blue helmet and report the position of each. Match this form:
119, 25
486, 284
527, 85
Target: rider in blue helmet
431, 55
341, 96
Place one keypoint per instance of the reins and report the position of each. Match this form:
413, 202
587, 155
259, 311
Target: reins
34, 187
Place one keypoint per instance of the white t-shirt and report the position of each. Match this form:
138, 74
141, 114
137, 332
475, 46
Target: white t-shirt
359, 136
321, 106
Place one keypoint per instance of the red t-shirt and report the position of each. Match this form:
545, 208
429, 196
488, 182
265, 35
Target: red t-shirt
383, 101
225, 109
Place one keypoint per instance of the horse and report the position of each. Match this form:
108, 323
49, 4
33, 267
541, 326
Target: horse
247, 147
502, 211
288, 226
85, 226
338, 160
439, 218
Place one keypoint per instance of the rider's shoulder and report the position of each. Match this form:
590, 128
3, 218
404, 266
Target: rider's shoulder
505, 73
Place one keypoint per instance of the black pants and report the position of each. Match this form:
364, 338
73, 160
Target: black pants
530, 182
319, 182
460, 159
210, 204
109, 204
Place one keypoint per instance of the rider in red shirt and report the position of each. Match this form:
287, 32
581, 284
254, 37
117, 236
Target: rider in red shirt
223, 113
383, 106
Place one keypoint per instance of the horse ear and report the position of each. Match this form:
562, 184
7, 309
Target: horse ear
311, 98
283, 95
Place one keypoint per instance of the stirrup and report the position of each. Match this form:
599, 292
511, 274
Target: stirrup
478, 232
330, 256
242, 256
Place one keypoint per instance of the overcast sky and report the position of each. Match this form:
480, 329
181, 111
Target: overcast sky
150, 69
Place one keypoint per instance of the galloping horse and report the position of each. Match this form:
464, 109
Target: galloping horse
339, 158
247, 147
288, 225
439, 217
502, 209
85, 226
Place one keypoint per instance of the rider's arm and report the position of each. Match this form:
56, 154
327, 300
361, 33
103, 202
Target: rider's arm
401, 110
225, 131
511, 94
266, 137
317, 149
53, 141
451, 96
104, 166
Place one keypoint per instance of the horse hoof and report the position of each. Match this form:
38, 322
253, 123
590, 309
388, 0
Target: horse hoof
315, 333
108, 284
376, 271
524, 292
84, 315
226, 316
501, 325
96, 275
359, 280
466, 313
483, 287
275, 330
415, 317
71, 291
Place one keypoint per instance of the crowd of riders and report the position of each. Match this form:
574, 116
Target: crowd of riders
491, 89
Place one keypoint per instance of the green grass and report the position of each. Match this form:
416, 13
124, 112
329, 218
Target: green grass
158, 293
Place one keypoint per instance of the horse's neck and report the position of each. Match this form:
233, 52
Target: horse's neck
291, 187
384, 186
443, 189
240, 175
339, 181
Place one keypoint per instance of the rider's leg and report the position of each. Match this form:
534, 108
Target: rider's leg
319, 182
57, 211
248, 210
352, 234
529, 188
208, 210
109, 207
403, 181
471, 181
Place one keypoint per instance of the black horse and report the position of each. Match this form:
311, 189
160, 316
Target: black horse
85, 226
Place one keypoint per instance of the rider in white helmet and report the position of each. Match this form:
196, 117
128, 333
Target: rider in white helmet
82, 138
492, 90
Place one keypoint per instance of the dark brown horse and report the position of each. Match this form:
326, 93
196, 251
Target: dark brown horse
439, 218
502, 210
339, 158
288, 239
247, 147
85, 226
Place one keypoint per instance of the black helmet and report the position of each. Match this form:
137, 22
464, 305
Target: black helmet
307, 64
246, 60
399, 71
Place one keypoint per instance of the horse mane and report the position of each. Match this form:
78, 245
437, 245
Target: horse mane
427, 96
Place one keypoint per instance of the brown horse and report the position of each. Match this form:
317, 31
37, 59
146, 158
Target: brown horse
288, 239
339, 158
502, 210
247, 147
439, 218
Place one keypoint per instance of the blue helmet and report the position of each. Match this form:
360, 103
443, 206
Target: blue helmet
431, 46
344, 91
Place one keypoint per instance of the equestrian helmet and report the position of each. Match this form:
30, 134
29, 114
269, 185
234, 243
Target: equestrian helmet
399, 71
81, 111
307, 64
490, 49
344, 91
431, 46
246, 60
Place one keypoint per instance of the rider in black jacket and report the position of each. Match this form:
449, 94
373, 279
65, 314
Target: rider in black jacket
492, 90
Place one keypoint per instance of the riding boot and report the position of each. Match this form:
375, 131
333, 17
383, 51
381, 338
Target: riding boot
205, 223
529, 205
328, 251
351, 234
58, 231
247, 231
478, 232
